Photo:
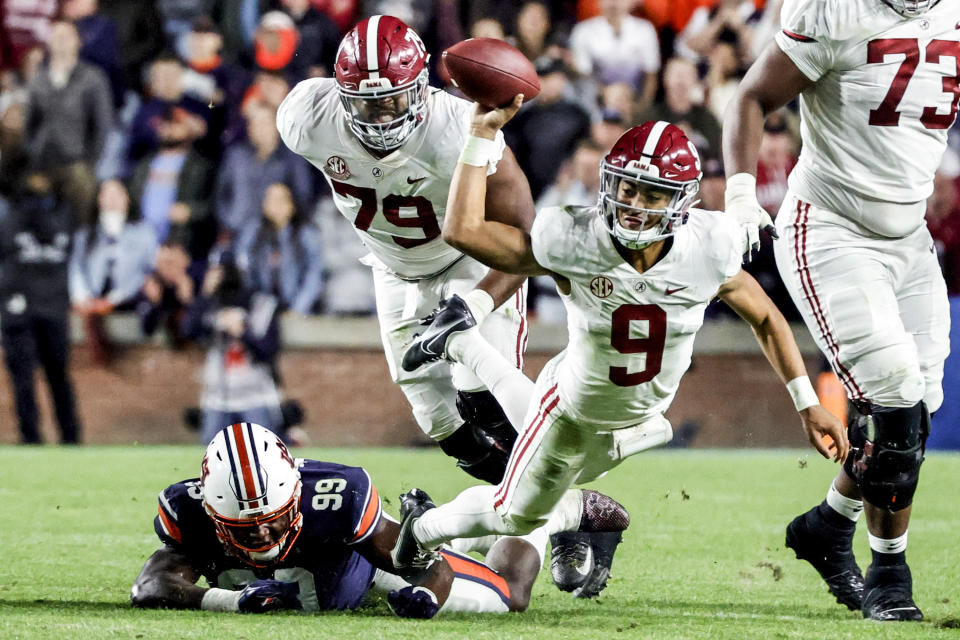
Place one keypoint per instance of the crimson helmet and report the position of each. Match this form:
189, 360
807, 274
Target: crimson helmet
382, 75
911, 8
654, 155
250, 488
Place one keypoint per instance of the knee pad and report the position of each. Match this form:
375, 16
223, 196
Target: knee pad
519, 525
477, 453
887, 450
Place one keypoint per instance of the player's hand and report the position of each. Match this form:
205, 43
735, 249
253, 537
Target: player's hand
825, 432
741, 202
487, 121
413, 602
269, 595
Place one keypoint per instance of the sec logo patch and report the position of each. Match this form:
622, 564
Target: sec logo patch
601, 286
336, 167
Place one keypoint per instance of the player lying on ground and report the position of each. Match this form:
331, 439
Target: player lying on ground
636, 273
270, 532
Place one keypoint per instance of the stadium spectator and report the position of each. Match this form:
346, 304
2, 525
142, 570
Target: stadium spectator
275, 44
242, 331
173, 185
619, 97
777, 157
683, 105
178, 17
168, 291
110, 261
69, 114
282, 255
618, 47
100, 42
13, 152
217, 82
723, 77
608, 128
141, 37
269, 87
344, 13
348, 284
578, 181
165, 94
25, 28
34, 304
249, 167
725, 21
318, 39
546, 131
533, 29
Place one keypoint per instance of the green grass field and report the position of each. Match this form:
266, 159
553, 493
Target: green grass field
703, 557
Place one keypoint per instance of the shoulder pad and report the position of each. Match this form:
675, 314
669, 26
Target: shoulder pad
179, 512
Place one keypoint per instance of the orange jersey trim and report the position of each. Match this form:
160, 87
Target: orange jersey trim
467, 568
171, 527
370, 514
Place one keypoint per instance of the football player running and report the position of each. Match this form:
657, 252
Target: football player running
270, 532
878, 87
636, 273
387, 144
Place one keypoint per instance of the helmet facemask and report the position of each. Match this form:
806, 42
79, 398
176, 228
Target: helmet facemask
911, 8
638, 227
261, 539
382, 116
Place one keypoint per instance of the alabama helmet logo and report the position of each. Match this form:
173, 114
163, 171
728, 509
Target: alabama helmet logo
601, 286
336, 167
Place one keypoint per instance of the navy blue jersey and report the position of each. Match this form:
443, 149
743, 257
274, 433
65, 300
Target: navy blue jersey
340, 508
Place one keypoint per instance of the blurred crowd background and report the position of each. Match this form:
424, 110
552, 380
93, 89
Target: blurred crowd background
141, 170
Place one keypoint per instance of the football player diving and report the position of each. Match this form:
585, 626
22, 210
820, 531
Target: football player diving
271, 532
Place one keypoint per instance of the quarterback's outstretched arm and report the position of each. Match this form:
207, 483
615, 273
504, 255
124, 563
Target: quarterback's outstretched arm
499, 245
747, 298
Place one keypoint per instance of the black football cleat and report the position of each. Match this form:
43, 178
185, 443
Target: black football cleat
571, 559
408, 555
830, 551
452, 316
604, 545
889, 595
602, 513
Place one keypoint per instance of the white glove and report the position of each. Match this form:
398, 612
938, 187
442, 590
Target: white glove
741, 202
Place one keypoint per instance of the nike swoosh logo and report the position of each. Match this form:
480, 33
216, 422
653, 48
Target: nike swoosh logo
415, 180
670, 291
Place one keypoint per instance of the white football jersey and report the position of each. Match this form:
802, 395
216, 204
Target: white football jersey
630, 334
396, 203
876, 121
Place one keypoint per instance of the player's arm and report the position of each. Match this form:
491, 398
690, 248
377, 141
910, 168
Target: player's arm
167, 580
747, 298
497, 244
508, 200
771, 82
411, 601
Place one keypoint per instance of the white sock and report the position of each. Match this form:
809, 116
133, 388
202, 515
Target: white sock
891, 545
481, 545
566, 515
847, 507
469, 515
508, 385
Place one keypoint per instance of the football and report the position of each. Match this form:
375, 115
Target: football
490, 71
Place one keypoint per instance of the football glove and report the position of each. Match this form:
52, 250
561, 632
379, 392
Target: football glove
269, 595
413, 602
741, 202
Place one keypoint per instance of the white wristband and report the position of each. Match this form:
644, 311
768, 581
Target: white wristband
480, 303
221, 600
477, 152
802, 393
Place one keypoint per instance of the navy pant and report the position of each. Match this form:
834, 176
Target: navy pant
28, 341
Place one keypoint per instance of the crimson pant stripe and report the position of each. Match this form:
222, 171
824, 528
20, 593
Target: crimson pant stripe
806, 280
256, 463
528, 437
524, 438
522, 331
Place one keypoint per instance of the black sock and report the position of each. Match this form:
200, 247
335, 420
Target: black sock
834, 519
888, 559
